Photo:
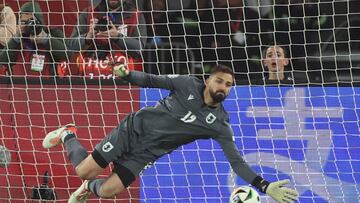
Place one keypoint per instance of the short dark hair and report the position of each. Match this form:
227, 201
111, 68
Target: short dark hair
283, 47
223, 69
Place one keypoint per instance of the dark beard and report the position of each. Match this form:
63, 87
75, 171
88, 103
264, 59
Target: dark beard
217, 97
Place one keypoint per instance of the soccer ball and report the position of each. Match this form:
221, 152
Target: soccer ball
244, 194
5, 157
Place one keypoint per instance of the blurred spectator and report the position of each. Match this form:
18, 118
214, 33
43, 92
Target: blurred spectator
7, 24
205, 28
275, 62
155, 15
35, 49
224, 19
175, 43
221, 32
109, 31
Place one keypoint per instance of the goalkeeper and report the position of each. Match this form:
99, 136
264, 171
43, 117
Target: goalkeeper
193, 110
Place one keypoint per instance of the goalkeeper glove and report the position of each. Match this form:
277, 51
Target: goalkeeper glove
276, 190
280, 193
120, 70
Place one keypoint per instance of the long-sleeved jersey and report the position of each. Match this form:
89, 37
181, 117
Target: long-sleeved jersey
180, 118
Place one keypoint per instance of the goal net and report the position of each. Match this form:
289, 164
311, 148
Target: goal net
305, 129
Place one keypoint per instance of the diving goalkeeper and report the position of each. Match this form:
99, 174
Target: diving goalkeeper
193, 110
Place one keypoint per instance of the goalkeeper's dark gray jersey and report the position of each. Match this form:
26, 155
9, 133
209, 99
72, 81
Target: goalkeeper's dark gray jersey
181, 118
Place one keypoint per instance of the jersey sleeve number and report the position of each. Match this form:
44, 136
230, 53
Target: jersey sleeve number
189, 117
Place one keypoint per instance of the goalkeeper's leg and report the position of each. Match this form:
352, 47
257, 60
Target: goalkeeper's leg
117, 181
104, 188
84, 165
88, 167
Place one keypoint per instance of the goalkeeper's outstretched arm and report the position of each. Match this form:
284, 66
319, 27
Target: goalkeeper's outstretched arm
276, 190
169, 82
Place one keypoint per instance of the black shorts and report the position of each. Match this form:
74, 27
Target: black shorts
116, 148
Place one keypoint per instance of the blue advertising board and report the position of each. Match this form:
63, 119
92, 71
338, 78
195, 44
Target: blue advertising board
309, 135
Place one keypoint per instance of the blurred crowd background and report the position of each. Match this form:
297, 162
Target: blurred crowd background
321, 37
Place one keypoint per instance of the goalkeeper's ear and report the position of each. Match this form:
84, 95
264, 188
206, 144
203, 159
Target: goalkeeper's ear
120, 70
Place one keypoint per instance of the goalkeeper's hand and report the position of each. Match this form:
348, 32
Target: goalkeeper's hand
280, 193
120, 70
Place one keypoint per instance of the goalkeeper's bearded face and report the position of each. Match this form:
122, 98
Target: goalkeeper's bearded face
219, 86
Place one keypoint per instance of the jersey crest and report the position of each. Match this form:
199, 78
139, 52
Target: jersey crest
210, 118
